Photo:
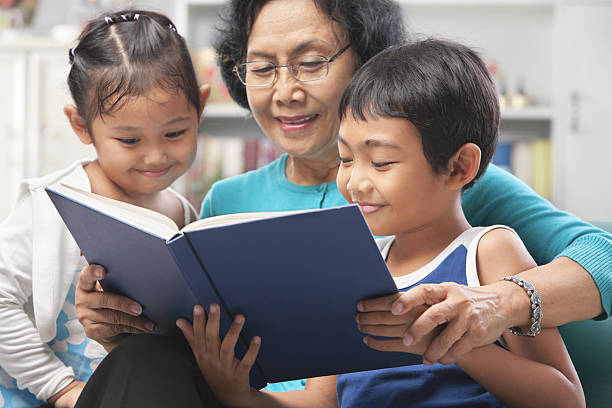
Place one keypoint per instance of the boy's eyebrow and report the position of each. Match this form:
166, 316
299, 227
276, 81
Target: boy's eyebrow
128, 128
380, 143
301, 47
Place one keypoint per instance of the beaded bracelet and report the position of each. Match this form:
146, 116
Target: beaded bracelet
536, 308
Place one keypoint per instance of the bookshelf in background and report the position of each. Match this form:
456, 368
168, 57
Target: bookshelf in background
220, 157
528, 159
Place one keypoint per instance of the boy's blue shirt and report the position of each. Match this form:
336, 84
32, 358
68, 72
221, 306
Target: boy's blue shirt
497, 198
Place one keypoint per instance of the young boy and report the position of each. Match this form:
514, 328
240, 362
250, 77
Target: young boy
419, 126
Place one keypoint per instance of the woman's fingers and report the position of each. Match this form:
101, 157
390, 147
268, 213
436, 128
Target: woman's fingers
89, 276
475, 318
114, 318
105, 315
378, 304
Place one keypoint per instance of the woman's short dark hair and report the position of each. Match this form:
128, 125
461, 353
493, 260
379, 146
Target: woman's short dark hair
371, 26
126, 54
443, 88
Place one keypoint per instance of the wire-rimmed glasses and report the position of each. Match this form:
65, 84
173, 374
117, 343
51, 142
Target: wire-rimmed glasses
304, 68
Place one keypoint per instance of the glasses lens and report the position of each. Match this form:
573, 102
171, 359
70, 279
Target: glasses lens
256, 73
308, 67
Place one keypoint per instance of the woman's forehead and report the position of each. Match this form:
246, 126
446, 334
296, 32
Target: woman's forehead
287, 26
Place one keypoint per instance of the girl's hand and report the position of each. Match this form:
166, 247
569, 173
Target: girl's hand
67, 397
227, 376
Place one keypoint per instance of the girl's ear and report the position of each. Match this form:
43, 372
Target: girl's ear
204, 94
78, 124
463, 166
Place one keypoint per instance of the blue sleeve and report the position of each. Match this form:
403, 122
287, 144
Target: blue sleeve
548, 233
207, 205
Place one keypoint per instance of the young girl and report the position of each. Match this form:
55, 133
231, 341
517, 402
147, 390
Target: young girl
137, 101
419, 126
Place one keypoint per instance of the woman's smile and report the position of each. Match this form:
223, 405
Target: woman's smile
295, 123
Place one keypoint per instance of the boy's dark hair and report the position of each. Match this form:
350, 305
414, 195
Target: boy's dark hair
126, 54
370, 25
442, 87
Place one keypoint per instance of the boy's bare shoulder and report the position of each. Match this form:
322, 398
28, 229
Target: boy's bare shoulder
501, 253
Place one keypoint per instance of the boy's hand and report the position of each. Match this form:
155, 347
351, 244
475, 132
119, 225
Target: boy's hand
227, 376
381, 322
448, 318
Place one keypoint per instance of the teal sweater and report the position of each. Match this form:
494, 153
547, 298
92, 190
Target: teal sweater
497, 198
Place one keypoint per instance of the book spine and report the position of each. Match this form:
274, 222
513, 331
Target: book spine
205, 291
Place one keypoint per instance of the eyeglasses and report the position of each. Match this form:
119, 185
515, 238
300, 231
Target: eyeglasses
304, 68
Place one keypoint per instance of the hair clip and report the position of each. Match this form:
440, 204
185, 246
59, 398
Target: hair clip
136, 17
172, 27
108, 20
72, 52
124, 17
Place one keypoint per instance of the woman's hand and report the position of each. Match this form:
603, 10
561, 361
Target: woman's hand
473, 317
381, 322
227, 376
68, 396
104, 315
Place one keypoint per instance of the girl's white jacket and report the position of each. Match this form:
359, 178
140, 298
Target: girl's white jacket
38, 260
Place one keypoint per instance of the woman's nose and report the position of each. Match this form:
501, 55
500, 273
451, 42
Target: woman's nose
287, 89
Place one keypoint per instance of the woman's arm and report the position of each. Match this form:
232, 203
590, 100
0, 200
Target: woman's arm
537, 371
575, 279
576, 256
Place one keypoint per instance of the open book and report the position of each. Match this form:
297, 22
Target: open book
296, 276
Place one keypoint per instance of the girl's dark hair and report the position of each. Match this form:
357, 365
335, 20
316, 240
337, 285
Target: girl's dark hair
371, 26
442, 87
127, 54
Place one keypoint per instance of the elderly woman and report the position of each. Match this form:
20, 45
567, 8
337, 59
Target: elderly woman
288, 62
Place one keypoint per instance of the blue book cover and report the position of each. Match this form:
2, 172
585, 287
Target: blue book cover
296, 277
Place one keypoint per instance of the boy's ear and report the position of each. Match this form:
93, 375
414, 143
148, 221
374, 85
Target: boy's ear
78, 124
204, 94
463, 166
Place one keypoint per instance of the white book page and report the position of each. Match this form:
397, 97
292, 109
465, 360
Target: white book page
236, 219
154, 222
143, 218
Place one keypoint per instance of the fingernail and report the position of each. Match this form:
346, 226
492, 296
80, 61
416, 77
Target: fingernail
426, 362
149, 326
397, 309
197, 310
239, 319
359, 327
135, 309
357, 318
98, 273
360, 306
365, 340
213, 309
407, 340
257, 340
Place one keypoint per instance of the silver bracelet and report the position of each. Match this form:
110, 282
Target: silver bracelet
536, 308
